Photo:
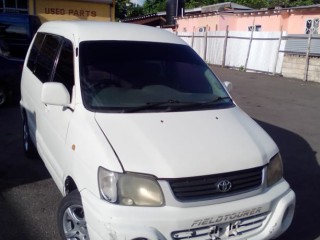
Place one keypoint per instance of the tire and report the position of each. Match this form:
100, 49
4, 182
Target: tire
3, 96
28, 146
71, 220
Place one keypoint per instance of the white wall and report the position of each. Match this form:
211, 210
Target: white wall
263, 52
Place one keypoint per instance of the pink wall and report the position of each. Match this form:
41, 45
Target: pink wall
212, 22
227, 19
297, 22
193, 24
268, 23
291, 22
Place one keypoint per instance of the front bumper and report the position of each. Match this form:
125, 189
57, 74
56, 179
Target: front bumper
269, 214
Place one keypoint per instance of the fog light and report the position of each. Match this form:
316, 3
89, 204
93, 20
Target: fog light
287, 217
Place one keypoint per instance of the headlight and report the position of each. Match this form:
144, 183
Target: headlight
129, 189
274, 170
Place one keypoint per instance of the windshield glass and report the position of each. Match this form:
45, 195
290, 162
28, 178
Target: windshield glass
124, 76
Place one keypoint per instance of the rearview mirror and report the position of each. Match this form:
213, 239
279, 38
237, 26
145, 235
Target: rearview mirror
54, 93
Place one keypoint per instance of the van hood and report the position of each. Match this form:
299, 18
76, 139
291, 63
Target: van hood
185, 144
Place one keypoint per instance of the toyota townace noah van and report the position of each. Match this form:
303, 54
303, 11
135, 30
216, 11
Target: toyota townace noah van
144, 141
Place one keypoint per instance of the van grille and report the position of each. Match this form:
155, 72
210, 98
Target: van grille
206, 187
231, 230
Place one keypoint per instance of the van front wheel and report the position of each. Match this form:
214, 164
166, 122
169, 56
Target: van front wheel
3, 95
28, 146
71, 221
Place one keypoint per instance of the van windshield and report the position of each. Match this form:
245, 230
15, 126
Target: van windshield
128, 76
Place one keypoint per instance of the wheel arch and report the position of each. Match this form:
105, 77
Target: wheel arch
69, 185
23, 113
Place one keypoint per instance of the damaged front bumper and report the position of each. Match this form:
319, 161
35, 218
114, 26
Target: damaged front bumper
263, 216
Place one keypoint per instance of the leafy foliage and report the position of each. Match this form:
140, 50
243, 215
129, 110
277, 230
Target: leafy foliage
199, 3
301, 3
253, 3
153, 6
125, 9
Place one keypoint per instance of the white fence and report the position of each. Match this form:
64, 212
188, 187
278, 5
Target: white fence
256, 51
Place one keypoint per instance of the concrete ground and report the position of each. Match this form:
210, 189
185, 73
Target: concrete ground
287, 109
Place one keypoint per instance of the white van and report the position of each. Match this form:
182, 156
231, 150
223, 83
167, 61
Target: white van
143, 140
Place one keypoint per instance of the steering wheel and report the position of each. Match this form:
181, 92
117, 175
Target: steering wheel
103, 83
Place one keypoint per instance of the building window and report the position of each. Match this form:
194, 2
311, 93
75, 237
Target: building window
202, 29
14, 6
10, 3
312, 26
256, 28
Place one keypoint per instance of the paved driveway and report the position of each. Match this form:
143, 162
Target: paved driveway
287, 109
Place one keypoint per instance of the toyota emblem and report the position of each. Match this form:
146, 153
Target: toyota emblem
224, 186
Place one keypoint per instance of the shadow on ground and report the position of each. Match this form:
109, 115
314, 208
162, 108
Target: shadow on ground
302, 172
15, 170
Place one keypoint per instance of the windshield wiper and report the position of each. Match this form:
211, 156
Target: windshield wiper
174, 104
152, 105
202, 104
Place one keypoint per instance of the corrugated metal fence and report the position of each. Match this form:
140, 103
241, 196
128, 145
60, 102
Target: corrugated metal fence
300, 43
257, 51
254, 51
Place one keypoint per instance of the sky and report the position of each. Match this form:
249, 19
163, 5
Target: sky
140, 2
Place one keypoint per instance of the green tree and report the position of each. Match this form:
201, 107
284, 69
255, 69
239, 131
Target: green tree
121, 8
256, 4
154, 6
249, 3
199, 3
135, 10
301, 3
125, 9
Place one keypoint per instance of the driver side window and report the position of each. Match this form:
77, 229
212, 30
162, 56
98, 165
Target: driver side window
64, 72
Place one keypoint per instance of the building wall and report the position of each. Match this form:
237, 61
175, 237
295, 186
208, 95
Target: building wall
297, 22
227, 20
212, 22
193, 24
49, 10
270, 21
294, 67
314, 69
219, 22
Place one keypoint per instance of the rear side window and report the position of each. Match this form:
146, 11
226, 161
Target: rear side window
46, 57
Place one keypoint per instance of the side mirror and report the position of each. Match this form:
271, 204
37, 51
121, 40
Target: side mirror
228, 85
54, 93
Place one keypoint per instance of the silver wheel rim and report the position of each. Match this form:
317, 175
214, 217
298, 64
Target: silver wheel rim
74, 223
2, 96
25, 137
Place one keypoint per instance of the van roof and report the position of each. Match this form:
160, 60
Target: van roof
94, 30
